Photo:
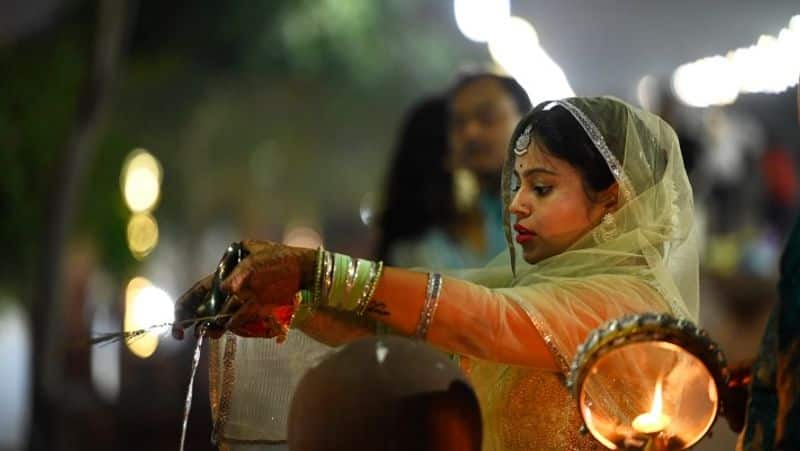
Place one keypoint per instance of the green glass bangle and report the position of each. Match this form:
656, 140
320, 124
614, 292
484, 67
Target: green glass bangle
358, 284
341, 266
352, 282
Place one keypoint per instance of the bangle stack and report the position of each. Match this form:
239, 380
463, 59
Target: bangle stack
429, 307
340, 282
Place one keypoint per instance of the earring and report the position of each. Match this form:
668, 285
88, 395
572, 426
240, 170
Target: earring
466, 190
608, 227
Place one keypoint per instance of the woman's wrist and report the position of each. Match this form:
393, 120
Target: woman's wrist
308, 267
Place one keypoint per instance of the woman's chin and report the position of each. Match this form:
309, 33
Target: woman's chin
535, 254
531, 256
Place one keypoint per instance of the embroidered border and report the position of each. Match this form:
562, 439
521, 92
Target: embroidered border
597, 138
228, 379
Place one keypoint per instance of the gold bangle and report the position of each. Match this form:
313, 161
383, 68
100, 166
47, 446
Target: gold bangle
316, 290
370, 289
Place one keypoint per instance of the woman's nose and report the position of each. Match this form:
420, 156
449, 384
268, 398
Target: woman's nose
518, 207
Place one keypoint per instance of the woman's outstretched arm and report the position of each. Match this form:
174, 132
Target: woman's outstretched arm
469, 319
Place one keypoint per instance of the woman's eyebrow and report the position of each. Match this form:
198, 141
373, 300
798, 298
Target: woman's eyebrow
537, 170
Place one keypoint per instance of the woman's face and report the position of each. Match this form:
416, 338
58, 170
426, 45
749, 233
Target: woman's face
551, 206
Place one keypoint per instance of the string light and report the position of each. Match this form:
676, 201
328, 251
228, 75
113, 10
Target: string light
771, 65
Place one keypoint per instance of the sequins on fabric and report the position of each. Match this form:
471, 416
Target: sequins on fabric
539, 414
544, 332
228, 379
213, 377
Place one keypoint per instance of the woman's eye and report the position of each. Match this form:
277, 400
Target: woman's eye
542, 190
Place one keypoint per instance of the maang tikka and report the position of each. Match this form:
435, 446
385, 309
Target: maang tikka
523, 141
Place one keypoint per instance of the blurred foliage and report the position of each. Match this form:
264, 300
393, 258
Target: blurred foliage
38, 94
254, 101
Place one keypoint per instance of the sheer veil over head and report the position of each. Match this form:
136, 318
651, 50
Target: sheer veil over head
652, 241
653, 236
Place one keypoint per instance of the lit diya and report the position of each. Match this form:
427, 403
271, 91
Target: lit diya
648, 382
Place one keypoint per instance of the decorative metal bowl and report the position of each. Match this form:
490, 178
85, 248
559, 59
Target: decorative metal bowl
649, 381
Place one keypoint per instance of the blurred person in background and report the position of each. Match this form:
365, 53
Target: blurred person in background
442, 205
603, 212
781, 187
484, 107
419, 206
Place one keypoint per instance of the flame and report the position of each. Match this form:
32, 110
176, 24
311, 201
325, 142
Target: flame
658, 402
653, 421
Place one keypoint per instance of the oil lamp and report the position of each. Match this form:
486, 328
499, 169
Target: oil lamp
648, 382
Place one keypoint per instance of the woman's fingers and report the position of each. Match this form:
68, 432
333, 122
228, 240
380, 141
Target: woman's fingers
238, 279
187, 304
256, 246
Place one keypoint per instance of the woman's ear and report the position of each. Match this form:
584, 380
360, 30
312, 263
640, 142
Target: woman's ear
609, 198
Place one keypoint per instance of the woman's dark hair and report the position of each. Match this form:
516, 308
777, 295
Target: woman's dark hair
564, 138
419, 185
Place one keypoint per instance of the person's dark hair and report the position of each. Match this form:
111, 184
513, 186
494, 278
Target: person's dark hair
564, 138
419, 185
510, 85
385, 393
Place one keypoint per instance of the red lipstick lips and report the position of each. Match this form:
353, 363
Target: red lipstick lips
523, 235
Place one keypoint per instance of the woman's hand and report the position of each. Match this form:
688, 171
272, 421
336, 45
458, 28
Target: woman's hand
261, 289
186, 306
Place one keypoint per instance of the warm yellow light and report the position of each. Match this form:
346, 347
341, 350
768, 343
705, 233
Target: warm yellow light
654, 420
142, 234
145, 305
141, 181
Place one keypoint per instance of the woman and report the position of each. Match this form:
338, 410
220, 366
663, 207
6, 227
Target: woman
603, 219
416, 221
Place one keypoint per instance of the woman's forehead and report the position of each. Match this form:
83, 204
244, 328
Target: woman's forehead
538, 157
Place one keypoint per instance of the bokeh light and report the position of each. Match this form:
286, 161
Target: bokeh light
647, 92
479, 20
146, 305
141, 181
771, 65
506, 44
366, 208
142, 234
541, 77
706, 82
302, 236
